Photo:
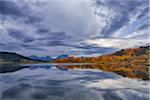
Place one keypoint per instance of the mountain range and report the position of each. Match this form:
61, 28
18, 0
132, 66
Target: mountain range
46, 58
63, 56
14, 57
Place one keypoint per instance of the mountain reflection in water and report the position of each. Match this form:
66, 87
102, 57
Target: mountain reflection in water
52, 82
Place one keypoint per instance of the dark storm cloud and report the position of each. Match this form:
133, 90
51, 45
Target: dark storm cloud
42, 30
101, 50
32, 47
20, 35
84, 48
32, 20
145, 26
10, 46
144, 12
14, 10
55, 43
70, 43
7, 7
54, 38
47, 35
116, 23
92, 49
35, 48
19, 46
123, 5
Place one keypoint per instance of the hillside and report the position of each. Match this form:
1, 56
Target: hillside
140, 54
132, 62
9, 57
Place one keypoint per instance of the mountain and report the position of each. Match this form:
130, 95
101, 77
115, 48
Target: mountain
63, 56
46, 58
12, 57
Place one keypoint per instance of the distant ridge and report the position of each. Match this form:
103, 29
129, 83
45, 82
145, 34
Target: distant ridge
45, 58
63, 56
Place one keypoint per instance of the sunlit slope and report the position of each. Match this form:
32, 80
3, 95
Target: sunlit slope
132, 62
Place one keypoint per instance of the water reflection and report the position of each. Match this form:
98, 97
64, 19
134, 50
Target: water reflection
62, 68
11, 67
49, 82
36, 67
126, 70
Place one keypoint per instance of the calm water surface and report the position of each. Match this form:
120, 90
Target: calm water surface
52, 82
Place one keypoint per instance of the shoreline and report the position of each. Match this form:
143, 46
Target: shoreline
120, 69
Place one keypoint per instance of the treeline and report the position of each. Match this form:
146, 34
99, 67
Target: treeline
131, 55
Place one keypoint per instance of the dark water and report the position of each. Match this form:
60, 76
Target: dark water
55, 82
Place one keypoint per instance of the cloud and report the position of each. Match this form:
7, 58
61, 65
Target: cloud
143, 27
20, 35
82, 27
32, 47
61, 17
47, 35
10, 46
127, 26
48, 84
144, 11
119, 43
99, 51
122, 14
10, 8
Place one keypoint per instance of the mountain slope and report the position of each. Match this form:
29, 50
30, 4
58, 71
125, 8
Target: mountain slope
8, 56
125, 55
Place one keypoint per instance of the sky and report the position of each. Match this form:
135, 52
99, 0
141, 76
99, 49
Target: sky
74, 27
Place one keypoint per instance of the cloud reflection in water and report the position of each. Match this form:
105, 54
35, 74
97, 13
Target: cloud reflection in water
50, 82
